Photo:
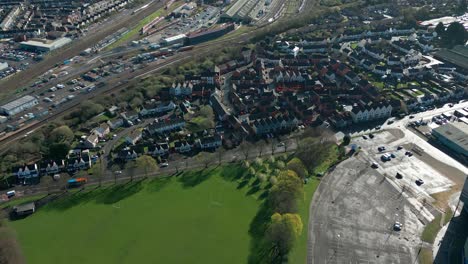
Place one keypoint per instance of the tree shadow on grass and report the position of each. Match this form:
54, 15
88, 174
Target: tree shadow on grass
194, 178
68, 201
117, 193
264, 195
101, 195
253, 190
158, 184
233, 173
259, 249
242, 184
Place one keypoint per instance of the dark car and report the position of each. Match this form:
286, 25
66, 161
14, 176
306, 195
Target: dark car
399, 148
364, 137
371, 135
419, 182
399, 176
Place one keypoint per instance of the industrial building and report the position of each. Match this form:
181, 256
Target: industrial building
179, 39
242, 10
206, 35
454, 136
184, 10
44, 45
19, 105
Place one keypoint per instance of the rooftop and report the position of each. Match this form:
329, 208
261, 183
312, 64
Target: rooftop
455, 132
18, 102
24, 207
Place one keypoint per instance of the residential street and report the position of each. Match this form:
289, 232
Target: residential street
180, 165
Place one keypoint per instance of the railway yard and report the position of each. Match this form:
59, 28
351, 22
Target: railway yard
106, 56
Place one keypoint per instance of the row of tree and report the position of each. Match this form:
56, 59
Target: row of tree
454, 34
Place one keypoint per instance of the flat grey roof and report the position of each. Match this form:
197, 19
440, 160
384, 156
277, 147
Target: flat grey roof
18, 102
455, 132
25, 207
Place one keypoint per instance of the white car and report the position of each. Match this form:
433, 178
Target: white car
118, 172
164, 164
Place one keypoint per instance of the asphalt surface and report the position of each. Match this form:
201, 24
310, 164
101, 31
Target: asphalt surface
352, 218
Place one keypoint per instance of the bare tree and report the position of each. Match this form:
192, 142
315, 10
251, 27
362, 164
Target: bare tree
205, 158
245, 148
260, 146
221, 151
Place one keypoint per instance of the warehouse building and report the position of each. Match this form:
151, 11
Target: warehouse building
179, 39
19, 105
44, 45
454, 136
241, 10
206, 35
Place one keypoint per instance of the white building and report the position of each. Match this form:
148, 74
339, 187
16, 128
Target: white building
19, 105
368, 113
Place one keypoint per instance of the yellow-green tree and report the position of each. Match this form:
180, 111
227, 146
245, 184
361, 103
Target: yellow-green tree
147, 163
282, 233
298, 167
285, 193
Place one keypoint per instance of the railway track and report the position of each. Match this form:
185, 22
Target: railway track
23, 78
120, 82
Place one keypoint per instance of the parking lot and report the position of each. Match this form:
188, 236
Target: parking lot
352, 219
411, 168
357, 206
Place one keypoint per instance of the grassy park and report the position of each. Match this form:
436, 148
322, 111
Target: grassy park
220, 214
198, 216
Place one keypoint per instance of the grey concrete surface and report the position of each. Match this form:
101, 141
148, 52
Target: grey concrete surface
352, 222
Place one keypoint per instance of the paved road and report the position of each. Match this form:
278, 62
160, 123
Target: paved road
352, 215
189, 163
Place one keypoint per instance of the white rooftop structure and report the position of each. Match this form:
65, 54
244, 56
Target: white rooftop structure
45, 45
19, 105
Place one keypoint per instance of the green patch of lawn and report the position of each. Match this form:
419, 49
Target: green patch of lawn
379, 85
425, 257
199, 217
430, 231
134, 31
299, 253
16, 201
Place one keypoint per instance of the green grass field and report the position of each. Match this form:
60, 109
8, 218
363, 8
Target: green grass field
197, 218
299, 253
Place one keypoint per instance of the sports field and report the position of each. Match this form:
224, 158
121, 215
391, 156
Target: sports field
200, 217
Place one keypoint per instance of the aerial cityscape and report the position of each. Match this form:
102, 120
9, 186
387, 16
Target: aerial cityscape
234, 131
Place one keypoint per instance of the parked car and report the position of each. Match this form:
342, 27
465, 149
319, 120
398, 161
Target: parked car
11, 193
399, 176
381, 148
419, 182
397, 226
374, 165
371, 135
364, 137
